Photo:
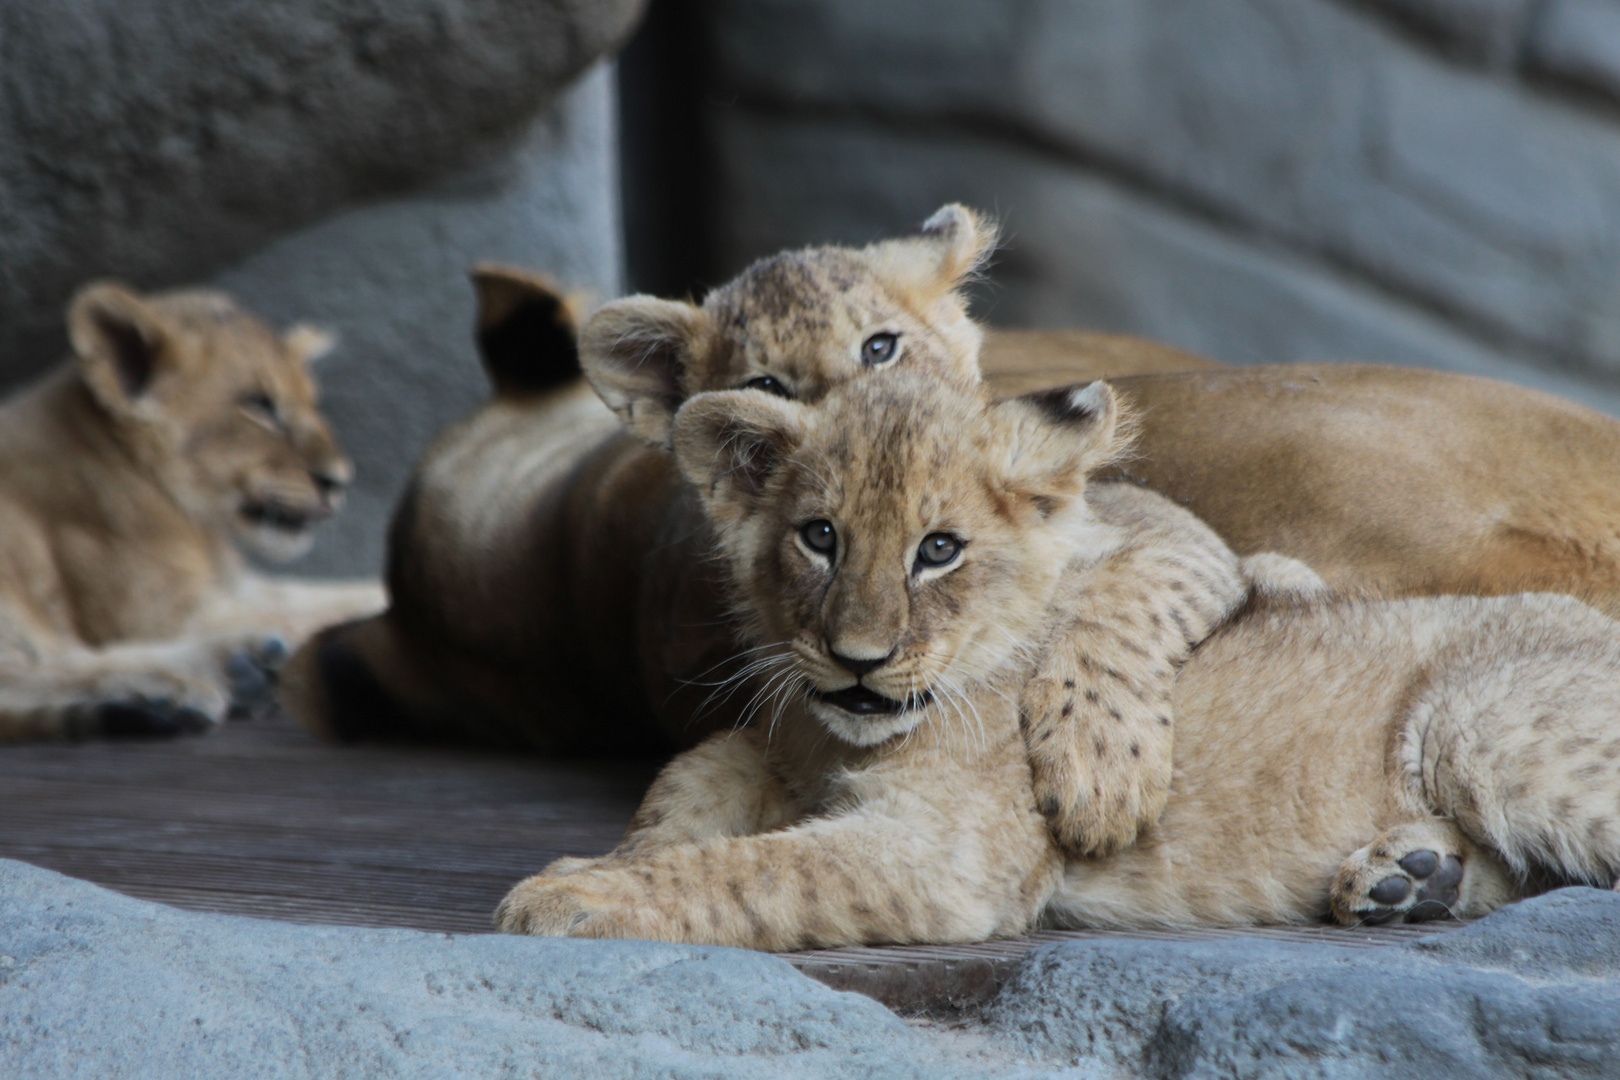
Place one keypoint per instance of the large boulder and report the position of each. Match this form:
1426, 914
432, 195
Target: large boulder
157, 140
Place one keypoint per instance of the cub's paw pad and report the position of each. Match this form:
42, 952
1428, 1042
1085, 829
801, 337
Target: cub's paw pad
145, 719
1373, 888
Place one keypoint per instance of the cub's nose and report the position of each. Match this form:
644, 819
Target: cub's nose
329, 484
331, 477
858, 667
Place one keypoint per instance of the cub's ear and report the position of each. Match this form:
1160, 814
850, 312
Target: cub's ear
942, 254
528, 330
636, 352
1058, 437
122, 344
309, 343
728, 443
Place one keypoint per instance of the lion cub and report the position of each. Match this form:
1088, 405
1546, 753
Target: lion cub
183, 426
801, 322
903, 523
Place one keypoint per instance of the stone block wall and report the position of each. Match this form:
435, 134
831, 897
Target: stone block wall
1431, 182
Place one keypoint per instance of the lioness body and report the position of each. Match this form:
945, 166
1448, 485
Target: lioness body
124, 481
1371, 757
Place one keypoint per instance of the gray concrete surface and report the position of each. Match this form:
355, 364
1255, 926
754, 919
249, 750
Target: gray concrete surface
157, 140
93, 984
1270, 179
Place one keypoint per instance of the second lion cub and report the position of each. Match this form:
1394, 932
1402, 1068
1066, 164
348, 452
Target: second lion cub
1378, 760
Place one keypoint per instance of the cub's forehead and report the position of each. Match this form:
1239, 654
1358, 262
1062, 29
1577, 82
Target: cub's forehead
897, 436
230, 344
801, 311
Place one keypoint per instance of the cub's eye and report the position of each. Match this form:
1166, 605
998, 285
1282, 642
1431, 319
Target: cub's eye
261, 406
770, 384
820, 536
938, 549
879, 349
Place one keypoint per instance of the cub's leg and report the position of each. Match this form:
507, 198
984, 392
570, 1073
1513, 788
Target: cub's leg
722, 787
1419, 871
289, 609
1097, 715
940, 852
123, 690
1515, 736
857, 878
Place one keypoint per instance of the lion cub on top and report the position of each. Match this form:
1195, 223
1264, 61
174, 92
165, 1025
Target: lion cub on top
1378, 759
182, 426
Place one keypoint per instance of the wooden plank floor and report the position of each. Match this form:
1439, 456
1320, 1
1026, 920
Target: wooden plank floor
259, 819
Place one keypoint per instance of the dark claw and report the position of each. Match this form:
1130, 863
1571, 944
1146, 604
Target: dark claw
1390, 891
148, 719
1420, 864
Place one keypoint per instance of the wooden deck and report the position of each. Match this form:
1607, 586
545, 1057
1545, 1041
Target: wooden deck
259, 819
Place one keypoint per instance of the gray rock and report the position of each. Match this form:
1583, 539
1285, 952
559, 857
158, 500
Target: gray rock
96, 985
1489, 31
1531, 991
391, 279
157, 140
1084, 249
1305, 124
1580, 41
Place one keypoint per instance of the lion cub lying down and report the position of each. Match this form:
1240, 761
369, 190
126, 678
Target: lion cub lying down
182, 425
1377, 760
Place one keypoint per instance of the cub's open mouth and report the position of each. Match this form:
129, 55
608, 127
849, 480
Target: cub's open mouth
283, 518
864, 702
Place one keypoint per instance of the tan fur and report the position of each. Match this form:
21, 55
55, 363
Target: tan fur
183, 425
540, 548
802, 319
1326, 750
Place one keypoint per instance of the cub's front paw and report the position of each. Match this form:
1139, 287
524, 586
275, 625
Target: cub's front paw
576, 902
1412, 873
1101, 768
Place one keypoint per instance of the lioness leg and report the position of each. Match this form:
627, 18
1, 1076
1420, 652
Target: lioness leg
1097, 712
1423, 870
1516, 737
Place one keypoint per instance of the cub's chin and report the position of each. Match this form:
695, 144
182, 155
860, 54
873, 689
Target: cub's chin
277, 533
862, 717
